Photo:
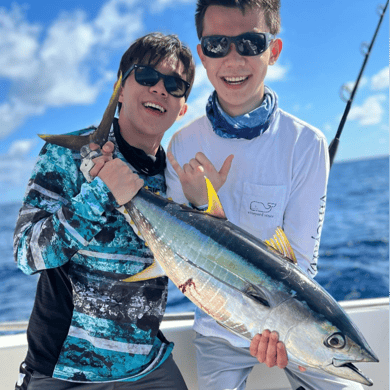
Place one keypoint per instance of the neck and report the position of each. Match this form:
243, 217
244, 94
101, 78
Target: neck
241, 109
148, 143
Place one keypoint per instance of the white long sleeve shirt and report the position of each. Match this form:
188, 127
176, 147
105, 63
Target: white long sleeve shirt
277, 179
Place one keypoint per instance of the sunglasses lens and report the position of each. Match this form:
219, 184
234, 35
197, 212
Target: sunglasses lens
146, 76
175, 86
251, 44
215, 46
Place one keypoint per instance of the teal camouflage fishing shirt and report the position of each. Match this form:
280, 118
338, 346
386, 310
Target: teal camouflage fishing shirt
114, 326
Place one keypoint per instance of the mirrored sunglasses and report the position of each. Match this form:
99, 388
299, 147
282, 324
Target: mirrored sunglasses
146, 75
248, 44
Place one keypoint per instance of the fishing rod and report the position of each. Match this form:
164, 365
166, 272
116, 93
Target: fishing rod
335, 142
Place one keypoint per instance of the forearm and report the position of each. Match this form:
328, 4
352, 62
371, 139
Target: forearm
60, 213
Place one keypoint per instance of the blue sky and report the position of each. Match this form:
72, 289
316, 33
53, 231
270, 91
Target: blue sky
59, 59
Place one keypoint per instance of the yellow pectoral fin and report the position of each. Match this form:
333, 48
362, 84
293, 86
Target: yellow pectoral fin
280, 243
152, 272
214, 206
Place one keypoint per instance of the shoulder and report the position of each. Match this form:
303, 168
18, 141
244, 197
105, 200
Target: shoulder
298, 126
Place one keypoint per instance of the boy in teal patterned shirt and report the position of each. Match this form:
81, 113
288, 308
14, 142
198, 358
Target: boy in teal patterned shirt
88, 329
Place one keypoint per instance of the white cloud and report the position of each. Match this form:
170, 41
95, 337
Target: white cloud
53, 68
200, 76
276, 72
378, 82
21, 148
161, 5
370, 112
118, 22
381, 80
15, 166
18, 43
350, 85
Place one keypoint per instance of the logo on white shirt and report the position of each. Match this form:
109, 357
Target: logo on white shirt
261, 209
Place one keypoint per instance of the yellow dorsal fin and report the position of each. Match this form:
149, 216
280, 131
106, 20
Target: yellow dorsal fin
152, 272
214, 206
280, 243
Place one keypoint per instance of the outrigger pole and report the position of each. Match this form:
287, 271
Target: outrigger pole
335, 143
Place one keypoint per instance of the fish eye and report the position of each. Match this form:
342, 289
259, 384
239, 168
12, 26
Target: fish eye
336, 340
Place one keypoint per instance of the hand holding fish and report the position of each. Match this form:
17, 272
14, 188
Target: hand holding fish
118, 177
192, 176
107, 150
267, 348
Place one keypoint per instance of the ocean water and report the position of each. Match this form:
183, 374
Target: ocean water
353, 257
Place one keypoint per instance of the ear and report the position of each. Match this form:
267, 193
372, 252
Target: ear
120, 99
200, 53
276, 48
183, 111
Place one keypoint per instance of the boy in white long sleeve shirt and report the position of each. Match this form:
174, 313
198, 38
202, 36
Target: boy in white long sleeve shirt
278, 176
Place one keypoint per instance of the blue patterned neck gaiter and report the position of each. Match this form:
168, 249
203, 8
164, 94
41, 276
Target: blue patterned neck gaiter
247, 126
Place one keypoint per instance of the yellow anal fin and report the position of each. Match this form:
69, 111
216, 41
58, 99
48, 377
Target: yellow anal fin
152, 272
280, 243
214, 205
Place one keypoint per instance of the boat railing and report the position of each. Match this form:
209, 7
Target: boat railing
21, 326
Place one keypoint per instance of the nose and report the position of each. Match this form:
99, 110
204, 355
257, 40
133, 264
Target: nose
233, 58
159, 88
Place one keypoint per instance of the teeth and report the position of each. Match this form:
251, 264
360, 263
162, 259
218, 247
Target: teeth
156, 106
235, 79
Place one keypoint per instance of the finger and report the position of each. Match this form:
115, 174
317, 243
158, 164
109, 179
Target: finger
187, 169
99, 163
302, 369
202, 159
263, 346
93, 146
224, 171
108, 147
196, 166
281, 359
254, 345
271, 359
175, 165
103, 158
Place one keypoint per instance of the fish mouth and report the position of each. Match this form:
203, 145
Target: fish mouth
349, 371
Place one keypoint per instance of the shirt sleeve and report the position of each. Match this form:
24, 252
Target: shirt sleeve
305, 210
61, 212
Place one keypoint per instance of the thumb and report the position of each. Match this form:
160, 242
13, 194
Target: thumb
224, 171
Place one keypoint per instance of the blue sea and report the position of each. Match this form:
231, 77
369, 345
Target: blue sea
354, 251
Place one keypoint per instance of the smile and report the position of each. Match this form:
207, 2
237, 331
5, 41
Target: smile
155, 107
235, 80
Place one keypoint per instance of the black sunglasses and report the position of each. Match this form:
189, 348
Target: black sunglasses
146, 75
248, 44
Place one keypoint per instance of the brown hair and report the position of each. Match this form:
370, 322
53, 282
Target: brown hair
271, 9
152, 48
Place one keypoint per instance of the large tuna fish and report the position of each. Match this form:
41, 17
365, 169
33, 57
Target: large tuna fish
247, 285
